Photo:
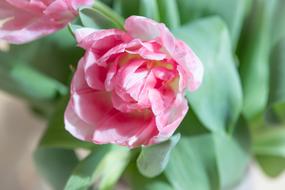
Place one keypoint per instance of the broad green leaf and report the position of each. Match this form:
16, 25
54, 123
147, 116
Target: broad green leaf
107, 2
269, 149
270, 142
83, 175
210, 161
279, 110
28, 81
277, 73
278, 30
36, 63
49, 55
139, 182
56, 136
112, 167
233, 155
55, 165
169, 13
35, 84
193, 164
191, 125
149, 8
232, 12
100, 16
273, 166
153, 159
254, 52
126, 8
218, 101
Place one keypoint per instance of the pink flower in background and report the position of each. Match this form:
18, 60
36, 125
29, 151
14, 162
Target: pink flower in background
22, 21
129, 87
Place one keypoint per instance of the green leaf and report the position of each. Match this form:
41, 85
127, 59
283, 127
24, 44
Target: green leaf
100, 16
278, 30
233, 155
218, 102
153, 159
210, 161
277, 74
233, 12
107, 174
35, 84
83, 175
279, 110
149, 8
254, 52
126, 8
55, 165
56, 136
273, 166
193, 164
269, 148
139, 182
270, 142
168, 12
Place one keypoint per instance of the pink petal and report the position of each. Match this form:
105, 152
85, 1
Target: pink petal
130, 129
170, 118
100, 40
78, 83
92, 106
147, 29
82, 33
95, 75
190, 64
76, 126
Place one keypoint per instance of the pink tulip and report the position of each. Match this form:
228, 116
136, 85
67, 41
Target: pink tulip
22, 21
129, 87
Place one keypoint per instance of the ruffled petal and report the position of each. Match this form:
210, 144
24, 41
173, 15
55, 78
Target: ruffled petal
147, 29
168, 117
191, 64
100, 40
76, 126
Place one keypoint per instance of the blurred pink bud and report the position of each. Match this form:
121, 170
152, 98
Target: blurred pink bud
22, 21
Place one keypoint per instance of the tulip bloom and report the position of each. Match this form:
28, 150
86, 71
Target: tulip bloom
129, 87
22, 21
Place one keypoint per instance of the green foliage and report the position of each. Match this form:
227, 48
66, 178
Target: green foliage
38, 72
153, 160
149, 8
55, 165
83, 175
192, 164
233, 13
268, 144
100, 16
107, 174
139, 182
126, 8
269, 147
218, 102
209, 161
168, 12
